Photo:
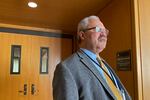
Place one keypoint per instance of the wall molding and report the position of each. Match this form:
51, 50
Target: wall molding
16, 29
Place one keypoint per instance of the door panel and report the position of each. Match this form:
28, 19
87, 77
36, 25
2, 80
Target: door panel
39, 83
38, 86
13, 83
58, 49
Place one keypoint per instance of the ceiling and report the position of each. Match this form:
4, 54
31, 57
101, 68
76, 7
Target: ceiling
54, 14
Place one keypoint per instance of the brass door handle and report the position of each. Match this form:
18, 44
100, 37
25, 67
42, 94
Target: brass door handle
33, 89
24, 90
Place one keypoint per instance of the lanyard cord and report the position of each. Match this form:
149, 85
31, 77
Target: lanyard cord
99, 66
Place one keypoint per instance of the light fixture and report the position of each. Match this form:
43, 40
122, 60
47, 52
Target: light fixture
32, 4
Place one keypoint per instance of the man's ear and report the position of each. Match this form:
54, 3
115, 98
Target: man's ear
82, 35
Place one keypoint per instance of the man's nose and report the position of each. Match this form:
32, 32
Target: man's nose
103, 34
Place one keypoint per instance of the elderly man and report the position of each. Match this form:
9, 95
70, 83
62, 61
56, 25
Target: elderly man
85, 75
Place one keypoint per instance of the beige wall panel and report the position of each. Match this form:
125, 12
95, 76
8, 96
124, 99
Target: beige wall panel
144, 17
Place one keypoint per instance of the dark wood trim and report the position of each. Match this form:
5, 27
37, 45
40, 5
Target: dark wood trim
34, 32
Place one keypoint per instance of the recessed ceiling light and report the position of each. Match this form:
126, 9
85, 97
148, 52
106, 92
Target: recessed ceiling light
32, 4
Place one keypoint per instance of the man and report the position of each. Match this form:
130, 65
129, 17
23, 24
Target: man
85, 75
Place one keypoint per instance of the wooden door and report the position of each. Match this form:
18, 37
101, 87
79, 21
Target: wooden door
39, 86
12, 85
58, 49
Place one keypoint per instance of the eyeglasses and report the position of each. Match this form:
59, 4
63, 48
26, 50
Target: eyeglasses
97, 29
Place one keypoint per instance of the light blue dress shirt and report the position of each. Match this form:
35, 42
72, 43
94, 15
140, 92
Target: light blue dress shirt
94, 56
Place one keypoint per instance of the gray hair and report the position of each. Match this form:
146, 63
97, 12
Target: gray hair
83, 24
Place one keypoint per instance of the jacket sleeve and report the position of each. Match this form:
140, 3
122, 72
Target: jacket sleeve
64, 85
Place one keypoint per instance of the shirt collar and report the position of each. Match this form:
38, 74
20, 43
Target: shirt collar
89, 53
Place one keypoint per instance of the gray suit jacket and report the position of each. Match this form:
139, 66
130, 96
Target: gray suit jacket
76, 78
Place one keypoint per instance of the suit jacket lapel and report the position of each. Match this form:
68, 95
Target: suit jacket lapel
84, 59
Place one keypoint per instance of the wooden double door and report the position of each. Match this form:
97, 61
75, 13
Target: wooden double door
29, 83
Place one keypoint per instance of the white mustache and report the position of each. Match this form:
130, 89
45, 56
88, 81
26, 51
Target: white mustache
103, 38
